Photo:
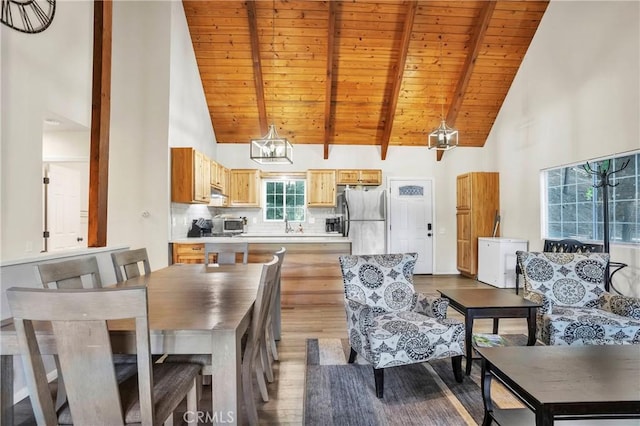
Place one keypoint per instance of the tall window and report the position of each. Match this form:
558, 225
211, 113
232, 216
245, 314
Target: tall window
285, 198
574, 209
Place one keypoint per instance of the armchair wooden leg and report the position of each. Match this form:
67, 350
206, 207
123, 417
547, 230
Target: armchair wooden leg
378, 373
352, 356
456, 362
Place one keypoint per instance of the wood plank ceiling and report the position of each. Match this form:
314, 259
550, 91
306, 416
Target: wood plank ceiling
358, 72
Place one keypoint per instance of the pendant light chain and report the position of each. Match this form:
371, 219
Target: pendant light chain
273, 57
271, 148
443, 137
440, 81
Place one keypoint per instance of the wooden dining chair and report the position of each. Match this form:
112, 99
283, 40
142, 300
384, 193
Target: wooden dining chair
227, 253
129, 261
251, 363
269, 349
99, 392
68, 273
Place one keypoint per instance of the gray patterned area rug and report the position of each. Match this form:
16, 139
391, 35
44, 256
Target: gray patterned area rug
341, 394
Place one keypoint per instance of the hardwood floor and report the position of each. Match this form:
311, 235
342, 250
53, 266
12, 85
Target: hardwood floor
301, 322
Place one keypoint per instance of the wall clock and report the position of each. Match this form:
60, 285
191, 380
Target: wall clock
28, 16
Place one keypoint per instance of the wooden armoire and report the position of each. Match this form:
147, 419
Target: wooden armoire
477, 204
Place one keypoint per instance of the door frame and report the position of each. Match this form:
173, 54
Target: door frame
432, 182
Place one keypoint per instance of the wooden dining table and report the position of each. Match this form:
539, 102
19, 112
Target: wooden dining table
193, 309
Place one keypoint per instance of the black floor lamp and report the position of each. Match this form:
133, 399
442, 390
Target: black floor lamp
603, 173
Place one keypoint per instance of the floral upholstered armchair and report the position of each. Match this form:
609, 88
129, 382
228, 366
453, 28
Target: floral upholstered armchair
576, 309
389, 324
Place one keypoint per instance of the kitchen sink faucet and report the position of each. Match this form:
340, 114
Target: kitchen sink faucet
287, 226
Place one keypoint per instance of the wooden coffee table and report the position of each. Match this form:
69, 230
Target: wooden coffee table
490, 303
563, 383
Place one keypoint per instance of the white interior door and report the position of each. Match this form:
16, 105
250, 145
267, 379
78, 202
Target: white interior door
63, 208
411, 220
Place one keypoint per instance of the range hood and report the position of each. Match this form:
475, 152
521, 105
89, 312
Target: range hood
216, 193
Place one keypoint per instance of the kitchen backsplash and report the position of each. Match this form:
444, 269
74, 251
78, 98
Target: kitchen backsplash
183, 214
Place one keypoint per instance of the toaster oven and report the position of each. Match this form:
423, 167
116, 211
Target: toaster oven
227, 225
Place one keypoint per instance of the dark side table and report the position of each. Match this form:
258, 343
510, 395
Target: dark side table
563, 383
490, 303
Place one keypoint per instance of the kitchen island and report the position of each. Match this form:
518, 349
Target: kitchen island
310, 272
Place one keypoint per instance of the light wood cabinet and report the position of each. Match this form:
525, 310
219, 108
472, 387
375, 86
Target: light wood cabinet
321, 188
359, 177
190, 176
213, 175
223, 176
218, 176
477, 203
244, 188
188, 253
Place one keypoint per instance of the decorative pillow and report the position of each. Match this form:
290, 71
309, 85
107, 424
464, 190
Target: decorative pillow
569, 279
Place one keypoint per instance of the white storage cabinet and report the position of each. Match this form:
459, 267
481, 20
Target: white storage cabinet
497, 260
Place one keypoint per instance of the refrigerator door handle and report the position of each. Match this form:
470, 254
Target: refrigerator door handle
347, 222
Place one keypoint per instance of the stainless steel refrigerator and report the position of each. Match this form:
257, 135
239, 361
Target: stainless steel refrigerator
365, 214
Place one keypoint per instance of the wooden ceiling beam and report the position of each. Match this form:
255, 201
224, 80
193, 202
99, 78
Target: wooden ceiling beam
475, 43
100, 123
257, 65
328, 110
397, 78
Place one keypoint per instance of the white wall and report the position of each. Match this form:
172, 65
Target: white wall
576, 97
189, 121
138, 146
41, 73
157, 101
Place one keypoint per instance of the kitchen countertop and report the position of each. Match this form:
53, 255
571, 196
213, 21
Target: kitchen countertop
255, 237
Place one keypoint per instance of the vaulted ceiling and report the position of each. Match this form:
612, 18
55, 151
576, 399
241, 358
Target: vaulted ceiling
358, 72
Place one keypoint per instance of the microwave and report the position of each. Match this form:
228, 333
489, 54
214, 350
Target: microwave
227, 225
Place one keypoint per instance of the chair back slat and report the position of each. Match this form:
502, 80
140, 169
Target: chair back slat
68, 274
261, 305
76, 305
79, 325
129, 260
84, 351
280, 255
227, 252
36, 376
571, 246
276, 290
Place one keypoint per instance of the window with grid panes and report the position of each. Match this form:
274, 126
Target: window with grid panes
573, 203
284, 198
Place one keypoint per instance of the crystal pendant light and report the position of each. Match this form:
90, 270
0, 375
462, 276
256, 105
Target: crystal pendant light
271, 148
443, 138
